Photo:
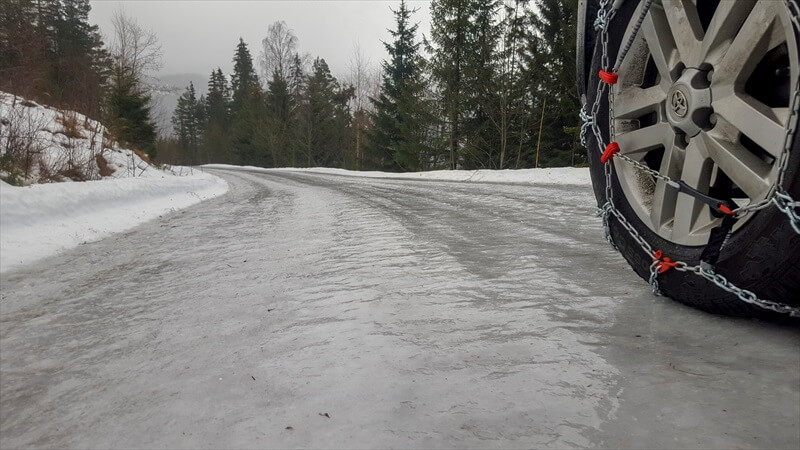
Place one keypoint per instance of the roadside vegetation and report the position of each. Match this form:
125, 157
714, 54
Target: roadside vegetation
51, 55
490, 86
471, 94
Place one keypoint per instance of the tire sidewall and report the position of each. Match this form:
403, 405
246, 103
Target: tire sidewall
761, 256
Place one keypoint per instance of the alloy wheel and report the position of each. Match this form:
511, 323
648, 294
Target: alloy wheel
704, 97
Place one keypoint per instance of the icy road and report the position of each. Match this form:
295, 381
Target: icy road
310, 310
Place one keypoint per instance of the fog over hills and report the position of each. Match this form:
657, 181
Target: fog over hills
165, 96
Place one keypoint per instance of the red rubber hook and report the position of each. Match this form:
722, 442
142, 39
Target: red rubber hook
608, 77
664, 262
611, 149
725, 210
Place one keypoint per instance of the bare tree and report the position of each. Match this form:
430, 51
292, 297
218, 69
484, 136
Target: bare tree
136, 57
134, 49
361, 77
278, 50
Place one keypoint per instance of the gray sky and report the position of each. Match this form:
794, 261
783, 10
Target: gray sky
198, 36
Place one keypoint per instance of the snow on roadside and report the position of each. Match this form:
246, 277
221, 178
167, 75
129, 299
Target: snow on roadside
50, 145
47, 145
41, 220
558, 175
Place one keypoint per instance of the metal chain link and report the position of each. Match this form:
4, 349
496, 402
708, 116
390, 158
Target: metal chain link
601, 20
654, 173
790, 207
776, 196
743, 294
654, 278
587, 123
636, 27
604, 212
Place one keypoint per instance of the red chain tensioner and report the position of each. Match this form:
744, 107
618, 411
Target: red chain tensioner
608, 77
611, 149
724, 209
664, 262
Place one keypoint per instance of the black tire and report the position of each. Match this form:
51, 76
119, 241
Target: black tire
763, 256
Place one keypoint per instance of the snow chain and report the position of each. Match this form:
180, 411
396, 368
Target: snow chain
777, 195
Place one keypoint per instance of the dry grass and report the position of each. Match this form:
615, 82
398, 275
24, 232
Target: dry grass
45, 175
20, 144
69, 122
143, 156
73, 172
108, 141
102, 166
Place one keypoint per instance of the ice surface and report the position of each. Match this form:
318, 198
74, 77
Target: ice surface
413, 314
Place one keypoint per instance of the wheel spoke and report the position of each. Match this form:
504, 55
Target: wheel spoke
684, 23
739, 164
756, 37
754, 119
637, 143
664, 197
696, 173
633, 102
727, 20
781, 114
662, 46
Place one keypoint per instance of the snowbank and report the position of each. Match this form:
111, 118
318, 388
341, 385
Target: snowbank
559, 175
44, 219
46, 144
49, 144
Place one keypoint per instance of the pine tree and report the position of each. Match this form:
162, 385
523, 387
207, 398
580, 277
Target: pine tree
513, 117
79, 60
324, 118
22, 48
218, 118
466, 64
345, 156
244, 81
296, 84
481, 81
450, 24
188, 120
398, 138
279, 114
551, 73
297, 76
247, 109
129, 113
218, 100
134, 53
81, 57
181, 122
49, 51
201, 118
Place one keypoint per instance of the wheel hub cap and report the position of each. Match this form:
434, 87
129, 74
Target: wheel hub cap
689, 103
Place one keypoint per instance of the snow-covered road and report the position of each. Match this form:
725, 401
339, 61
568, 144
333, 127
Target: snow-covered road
312, 310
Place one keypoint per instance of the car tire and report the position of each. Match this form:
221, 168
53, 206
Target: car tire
762, 255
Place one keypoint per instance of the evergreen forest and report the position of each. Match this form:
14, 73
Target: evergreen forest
490, 86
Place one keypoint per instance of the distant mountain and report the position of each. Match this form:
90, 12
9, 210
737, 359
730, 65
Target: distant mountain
166, 91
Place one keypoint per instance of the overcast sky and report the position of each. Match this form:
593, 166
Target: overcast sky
198, 36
